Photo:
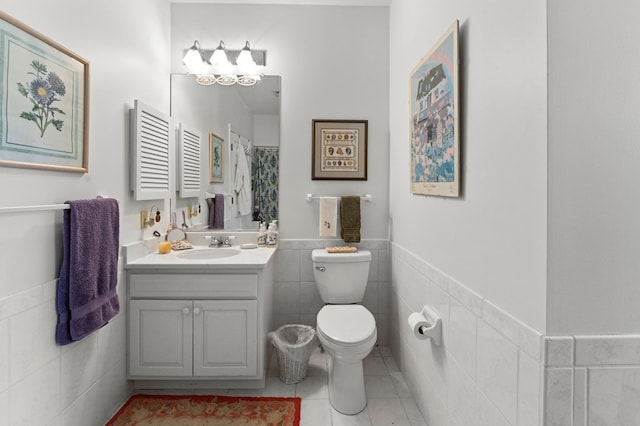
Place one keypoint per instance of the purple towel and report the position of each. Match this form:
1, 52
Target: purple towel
86, 297
218, 212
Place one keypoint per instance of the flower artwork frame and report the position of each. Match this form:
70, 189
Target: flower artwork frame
216, 158
434, 122
44, 101
339, 150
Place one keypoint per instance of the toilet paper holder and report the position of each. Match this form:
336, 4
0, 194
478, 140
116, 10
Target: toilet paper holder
432, 329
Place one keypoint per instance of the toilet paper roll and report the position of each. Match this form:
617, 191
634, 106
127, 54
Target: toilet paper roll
416, 321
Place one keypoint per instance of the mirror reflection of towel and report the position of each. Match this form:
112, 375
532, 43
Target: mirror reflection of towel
328, 216
350, 219
216, 211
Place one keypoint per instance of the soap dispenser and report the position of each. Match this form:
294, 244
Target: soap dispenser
272, 234
262, 234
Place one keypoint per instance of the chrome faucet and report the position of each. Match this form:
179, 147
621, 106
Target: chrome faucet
221, 241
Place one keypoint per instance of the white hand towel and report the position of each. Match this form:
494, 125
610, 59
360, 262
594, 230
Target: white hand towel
328, 216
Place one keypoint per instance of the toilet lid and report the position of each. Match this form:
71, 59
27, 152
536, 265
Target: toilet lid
348, 324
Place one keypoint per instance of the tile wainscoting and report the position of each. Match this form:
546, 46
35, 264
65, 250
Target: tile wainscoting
41, 383
494, 370
592, 380
488, 371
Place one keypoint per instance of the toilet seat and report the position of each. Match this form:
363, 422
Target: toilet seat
346, 325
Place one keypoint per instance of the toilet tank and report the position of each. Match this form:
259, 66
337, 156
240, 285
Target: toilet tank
341, 277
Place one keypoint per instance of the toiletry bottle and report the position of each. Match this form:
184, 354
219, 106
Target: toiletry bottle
262, 234
272, 234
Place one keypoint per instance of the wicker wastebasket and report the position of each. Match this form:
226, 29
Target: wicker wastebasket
294, 344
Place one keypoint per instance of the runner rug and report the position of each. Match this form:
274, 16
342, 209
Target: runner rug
197, 410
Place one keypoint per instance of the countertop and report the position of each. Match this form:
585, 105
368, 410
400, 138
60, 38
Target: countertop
141, 257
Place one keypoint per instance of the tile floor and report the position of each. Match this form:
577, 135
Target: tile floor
389, 399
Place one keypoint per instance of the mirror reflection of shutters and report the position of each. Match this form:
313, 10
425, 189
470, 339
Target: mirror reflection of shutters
189, 157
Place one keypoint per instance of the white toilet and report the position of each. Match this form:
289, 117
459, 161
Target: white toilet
346, 330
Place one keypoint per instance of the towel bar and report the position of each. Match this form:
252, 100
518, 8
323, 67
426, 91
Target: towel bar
365, 197
42, 207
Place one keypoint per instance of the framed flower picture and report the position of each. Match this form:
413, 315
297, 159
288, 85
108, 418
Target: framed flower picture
216, 158
44, 101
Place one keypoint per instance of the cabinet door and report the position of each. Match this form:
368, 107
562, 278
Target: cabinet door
225, 338
160, 338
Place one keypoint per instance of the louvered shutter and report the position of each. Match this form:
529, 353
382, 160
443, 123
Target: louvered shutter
151, 141
189, 161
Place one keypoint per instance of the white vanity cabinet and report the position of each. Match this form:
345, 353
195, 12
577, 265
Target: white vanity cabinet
199, 324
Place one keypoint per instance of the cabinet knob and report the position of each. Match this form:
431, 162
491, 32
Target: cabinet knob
196, 311
185, 311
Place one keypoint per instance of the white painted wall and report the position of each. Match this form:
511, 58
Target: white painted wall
594, 229
82, 383
493, 238
333, 62
266, 130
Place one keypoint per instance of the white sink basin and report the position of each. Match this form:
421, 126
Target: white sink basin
203, 254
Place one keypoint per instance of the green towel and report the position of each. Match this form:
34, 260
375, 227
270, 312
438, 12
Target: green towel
350, 219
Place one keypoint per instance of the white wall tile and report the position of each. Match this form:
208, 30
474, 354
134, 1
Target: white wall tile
529, 379
287, 265
383, 297
79, 369
559, 351
286, 297
462, 397
306, 266
35, 400
607, 350
614, 396
497, 370
488, 414
370, 299
20, 302
112, 343
32, 340
4, 408
558, 397
468, 298
463, 337
4, 355
523, 336
310, 302
82, 411
580, 383
413, 412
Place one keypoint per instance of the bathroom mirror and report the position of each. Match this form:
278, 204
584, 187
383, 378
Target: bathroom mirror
253, 114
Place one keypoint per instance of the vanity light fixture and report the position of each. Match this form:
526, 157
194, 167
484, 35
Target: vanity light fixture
219, 69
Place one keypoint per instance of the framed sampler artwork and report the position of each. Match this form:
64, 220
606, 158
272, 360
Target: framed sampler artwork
216, 158
339, 150
434, 122
44, 101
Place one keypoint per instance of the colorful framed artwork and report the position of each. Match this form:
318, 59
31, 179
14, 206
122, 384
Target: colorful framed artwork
44, 101
216, 158
434, 128
339, 150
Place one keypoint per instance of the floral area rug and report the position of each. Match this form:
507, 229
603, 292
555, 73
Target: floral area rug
197, 410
